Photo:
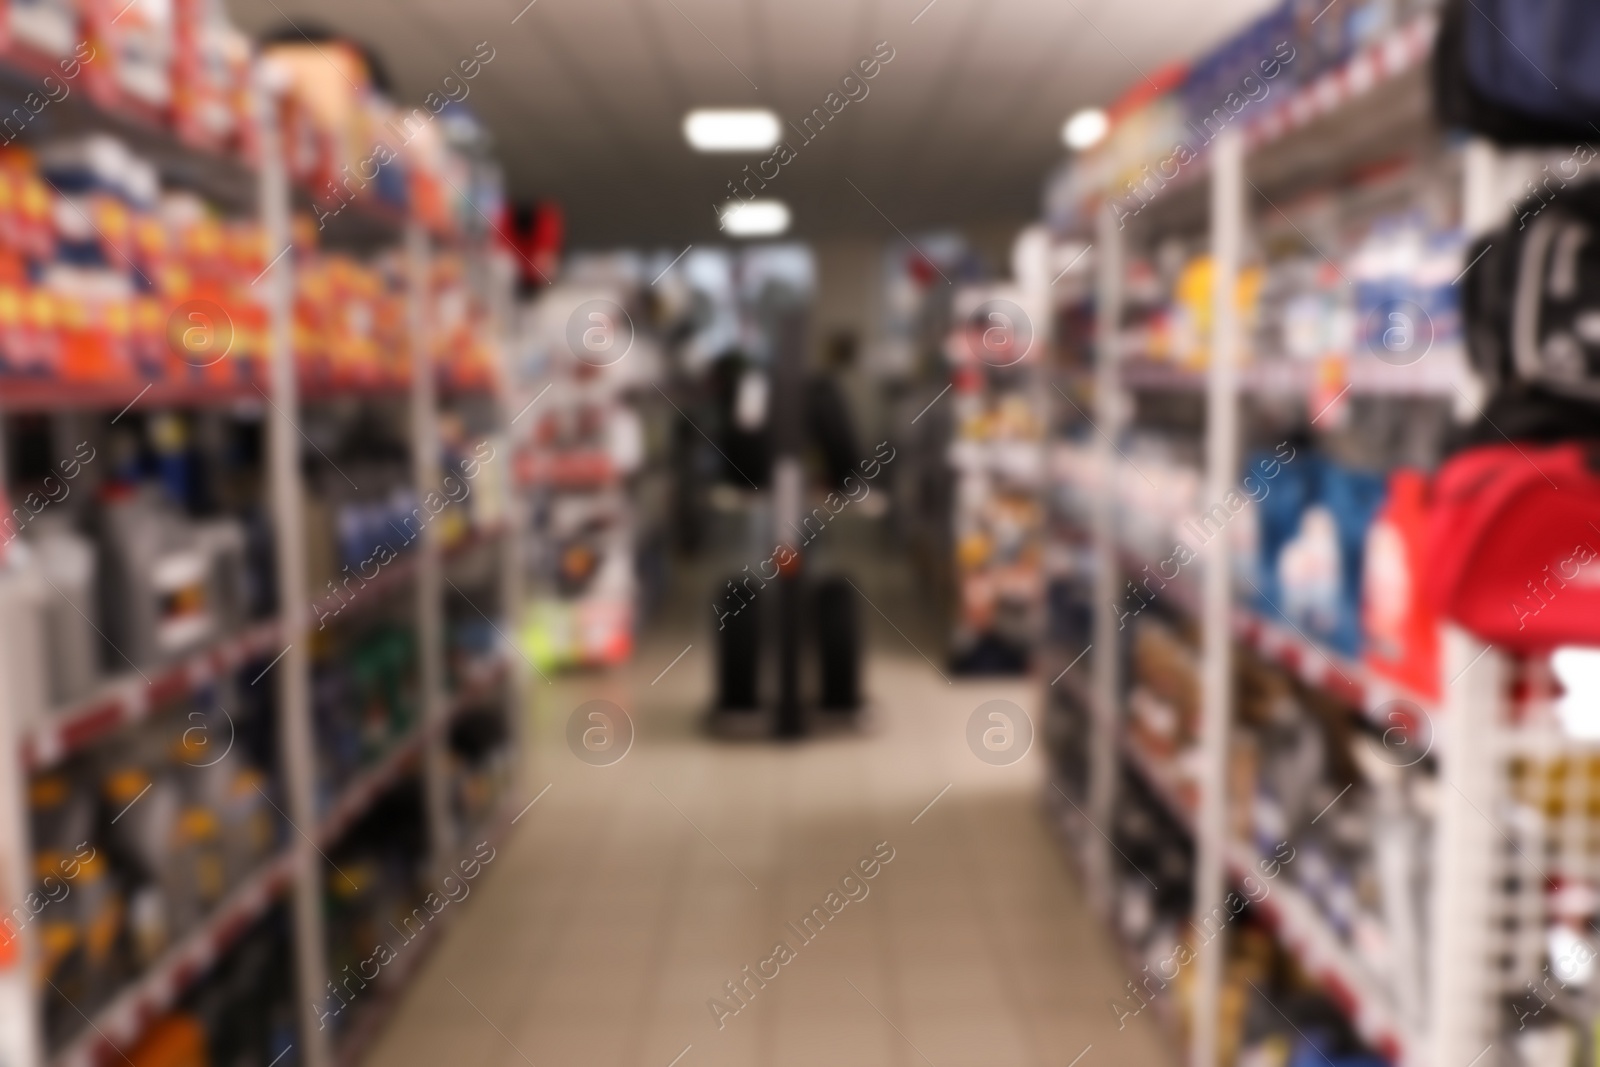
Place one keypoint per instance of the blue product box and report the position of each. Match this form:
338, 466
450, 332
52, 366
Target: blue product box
1293, 490
1354, 498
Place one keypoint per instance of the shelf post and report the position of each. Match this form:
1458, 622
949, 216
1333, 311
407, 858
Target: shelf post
21, 1009
426, 471
1105, 680
500, 280
1466, 847
1216, 617
1482, 207
294, 670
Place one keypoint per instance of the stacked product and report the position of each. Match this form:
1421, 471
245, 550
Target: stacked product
364, 698
1386, 295
148, 668
244, 1011
1170, 120
351, 146
350, 317
1328, 549
480, 737
463, 356
580, 363
996, 458
374, 885
180, 65
132, 553
142, 836
106, 280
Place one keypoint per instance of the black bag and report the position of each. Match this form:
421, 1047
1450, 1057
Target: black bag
1531, 312
839, 644
739, 657
1531, 301
1497, 66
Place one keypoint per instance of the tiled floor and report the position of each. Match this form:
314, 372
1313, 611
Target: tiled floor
628, 896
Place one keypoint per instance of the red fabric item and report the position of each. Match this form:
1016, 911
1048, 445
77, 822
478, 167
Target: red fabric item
547, 239
1402, 631
922, 271
535, 234
1514, 545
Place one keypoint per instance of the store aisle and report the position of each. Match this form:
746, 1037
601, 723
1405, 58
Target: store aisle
629, 895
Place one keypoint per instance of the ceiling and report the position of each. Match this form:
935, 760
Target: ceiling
586, 97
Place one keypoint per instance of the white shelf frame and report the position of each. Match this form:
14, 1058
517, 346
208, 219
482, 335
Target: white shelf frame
428, 473
295, 728
1216, 596
1106, 679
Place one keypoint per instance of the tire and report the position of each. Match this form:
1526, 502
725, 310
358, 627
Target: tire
839, 641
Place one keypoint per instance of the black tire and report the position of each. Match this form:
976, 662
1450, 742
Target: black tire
738, 657
839, 640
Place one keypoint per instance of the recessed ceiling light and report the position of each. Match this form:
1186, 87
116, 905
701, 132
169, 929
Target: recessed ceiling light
731, 129
755, 218
1085, 129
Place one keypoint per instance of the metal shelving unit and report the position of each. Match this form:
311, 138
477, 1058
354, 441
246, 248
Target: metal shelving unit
1374, 102
298, 870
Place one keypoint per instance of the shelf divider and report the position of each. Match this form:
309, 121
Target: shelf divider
1216, 607
499, 279
1466, 846
294, 672
22, 1032
428, 475
1105, 680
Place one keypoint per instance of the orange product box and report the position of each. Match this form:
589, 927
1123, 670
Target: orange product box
42, 339
87, 354
174, 1041
203, 248
250, 338
37, 231
147, 339
11, 221
113, 319
245, 250
14, 339
151, 247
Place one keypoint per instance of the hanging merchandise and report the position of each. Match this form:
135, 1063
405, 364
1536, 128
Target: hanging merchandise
1402, 631
535, 233
1531, 304
1498, 65
1513, 545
